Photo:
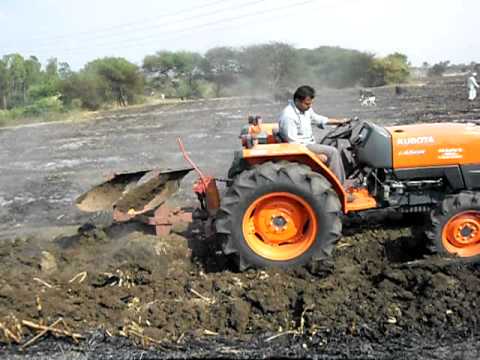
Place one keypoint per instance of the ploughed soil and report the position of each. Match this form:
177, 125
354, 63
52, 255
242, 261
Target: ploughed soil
133, 294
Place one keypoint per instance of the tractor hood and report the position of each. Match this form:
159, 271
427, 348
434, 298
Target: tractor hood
437, 144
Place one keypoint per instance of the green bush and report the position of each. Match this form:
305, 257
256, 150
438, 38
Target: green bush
44, 106
190, 89
12, 114
206, 89
7, 116
4, 117
43, 90
75, 104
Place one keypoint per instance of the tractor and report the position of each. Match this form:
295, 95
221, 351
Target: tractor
284, 207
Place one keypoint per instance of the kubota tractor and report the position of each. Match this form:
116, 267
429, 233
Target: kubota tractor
284, 206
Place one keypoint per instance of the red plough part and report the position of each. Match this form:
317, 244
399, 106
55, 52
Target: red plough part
207, 193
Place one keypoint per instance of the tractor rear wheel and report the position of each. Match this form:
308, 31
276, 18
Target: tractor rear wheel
279, 215
455, 227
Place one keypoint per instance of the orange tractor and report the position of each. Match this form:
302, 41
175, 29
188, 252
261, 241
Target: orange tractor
283, 206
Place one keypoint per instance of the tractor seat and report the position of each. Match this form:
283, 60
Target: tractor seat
261, 134
277, 135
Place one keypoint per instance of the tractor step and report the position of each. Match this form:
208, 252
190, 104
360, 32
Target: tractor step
361, 200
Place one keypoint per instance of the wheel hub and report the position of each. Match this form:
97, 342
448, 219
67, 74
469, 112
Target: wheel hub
461, 234
279, 222
279, 226
466, 233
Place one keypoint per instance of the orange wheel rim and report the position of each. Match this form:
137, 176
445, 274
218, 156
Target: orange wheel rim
461, 234
280, 226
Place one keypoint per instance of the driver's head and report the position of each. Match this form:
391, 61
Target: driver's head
303, 97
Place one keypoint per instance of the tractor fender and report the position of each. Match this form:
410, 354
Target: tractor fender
293, 153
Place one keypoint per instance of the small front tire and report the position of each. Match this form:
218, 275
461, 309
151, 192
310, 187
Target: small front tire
455, 227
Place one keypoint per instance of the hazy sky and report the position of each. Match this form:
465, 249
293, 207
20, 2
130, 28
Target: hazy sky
82, 30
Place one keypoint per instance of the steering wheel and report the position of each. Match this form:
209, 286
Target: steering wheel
342, 131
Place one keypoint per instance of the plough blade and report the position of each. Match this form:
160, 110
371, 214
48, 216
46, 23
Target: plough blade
132, 193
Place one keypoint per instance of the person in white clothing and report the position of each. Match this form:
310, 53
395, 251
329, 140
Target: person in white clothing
295, 126
472, 87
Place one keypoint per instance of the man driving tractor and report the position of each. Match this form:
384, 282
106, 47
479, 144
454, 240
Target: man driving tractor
295, 126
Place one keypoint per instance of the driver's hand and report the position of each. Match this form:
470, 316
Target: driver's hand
323, 158
347, 121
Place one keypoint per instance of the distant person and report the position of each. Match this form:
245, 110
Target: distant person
295, 126
472, 86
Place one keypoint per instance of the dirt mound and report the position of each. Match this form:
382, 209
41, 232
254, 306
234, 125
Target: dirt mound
382, 284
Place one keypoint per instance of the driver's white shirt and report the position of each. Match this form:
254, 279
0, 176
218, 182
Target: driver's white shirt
296, 126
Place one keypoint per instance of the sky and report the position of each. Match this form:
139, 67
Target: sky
79, 31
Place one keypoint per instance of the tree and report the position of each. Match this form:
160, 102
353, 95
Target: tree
392, 69
23, 81
270, 66
337, 67
86, 87
221, 66
64, 70
3, 85
397, 68
51, 69
375, 74
15, 77
33, 74
158, 68
103, 80
188, 70
439, 68
42, 84
124, 78
179, 70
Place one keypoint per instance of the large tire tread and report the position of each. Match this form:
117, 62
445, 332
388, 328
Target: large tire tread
267, 174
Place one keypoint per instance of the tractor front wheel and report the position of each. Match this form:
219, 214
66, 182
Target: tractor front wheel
279, 215
455, 227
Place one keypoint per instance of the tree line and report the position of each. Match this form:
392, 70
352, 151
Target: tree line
30, 88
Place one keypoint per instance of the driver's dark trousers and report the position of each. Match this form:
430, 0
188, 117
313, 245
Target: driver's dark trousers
334, 160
